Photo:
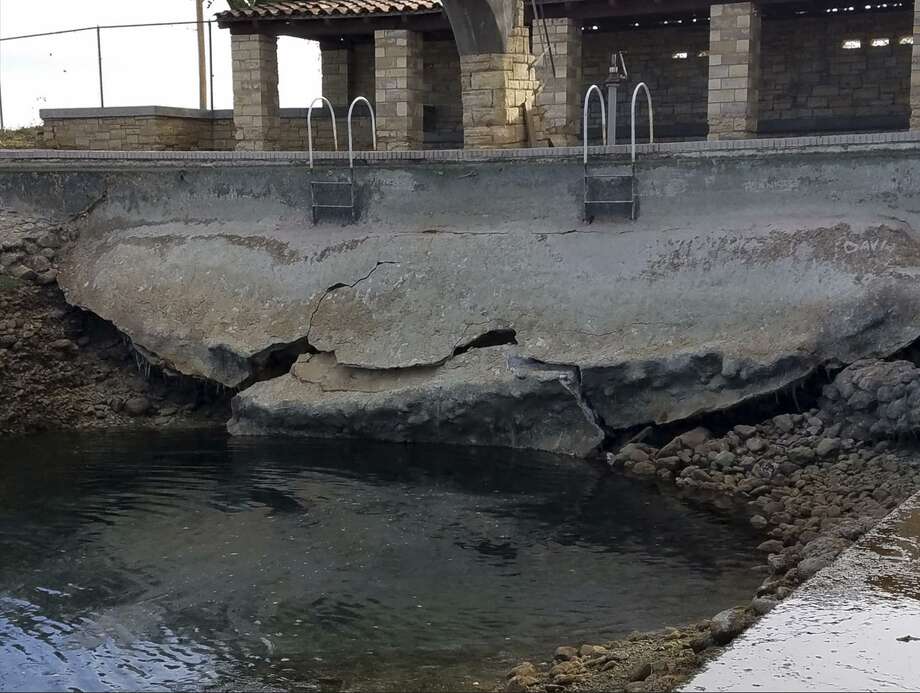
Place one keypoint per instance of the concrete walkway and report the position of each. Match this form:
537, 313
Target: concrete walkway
854, 627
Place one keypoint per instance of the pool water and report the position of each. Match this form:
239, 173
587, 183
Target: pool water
165, 562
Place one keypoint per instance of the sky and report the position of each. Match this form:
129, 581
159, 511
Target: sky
141, 66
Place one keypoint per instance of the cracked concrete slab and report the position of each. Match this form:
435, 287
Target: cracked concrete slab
742, 276
477, 398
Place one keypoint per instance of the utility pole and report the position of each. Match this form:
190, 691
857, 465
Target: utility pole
202, 63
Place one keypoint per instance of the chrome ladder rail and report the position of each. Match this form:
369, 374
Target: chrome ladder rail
651, 140
351, 205
633, 199
335, 134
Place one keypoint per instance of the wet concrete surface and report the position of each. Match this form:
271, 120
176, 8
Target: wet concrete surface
854, 627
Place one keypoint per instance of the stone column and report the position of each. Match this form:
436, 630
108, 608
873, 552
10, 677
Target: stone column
560, 97
336, 73
256, 110
399, 88
498, 90
734, 70
915, 72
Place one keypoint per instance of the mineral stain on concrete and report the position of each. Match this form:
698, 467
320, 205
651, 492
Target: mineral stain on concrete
855, 626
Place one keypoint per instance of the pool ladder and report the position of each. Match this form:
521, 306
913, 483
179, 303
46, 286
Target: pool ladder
328, 194
593, 181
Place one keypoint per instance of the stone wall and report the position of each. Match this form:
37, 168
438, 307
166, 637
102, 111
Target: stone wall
132, 133
153, 129
809, 82
734, 70
255, 91
399, 86
560, 97
678, 86
443, 106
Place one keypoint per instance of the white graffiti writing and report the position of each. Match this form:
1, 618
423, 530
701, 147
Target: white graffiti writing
877, 245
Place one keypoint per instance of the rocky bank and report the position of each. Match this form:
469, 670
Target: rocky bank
62, 368
812, 483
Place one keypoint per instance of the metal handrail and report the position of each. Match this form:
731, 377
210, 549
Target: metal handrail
600, 97
651, 117
335, 135
351, 153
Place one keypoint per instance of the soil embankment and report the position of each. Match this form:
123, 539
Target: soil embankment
62, 368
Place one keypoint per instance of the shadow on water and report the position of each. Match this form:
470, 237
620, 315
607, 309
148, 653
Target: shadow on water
196, 560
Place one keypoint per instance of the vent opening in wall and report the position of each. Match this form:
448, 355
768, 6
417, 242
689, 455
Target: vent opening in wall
906, 41
680, 55
852, 44
880, 42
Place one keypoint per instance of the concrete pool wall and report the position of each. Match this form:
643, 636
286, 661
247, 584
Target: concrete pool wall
470, 302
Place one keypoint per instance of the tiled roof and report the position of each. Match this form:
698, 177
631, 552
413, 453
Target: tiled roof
306, 9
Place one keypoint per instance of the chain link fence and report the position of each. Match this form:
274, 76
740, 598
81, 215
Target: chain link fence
134, 65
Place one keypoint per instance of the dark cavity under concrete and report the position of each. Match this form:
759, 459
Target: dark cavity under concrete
855, 626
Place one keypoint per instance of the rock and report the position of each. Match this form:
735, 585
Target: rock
644, 469
745, 432
640, 672
9, 259
520, 684
633, 452
695, 437
724, 459
827, 446
49, 239
48, 277
565, 653
523, 669
763, 605
784, 423
727, 625
802, 454
592, 650
139, 406
38, 263
22, 272
809, 566
755, 444
571, 666
771, 546
758, 522
64, 346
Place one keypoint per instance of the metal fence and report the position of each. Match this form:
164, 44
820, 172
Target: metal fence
114, 65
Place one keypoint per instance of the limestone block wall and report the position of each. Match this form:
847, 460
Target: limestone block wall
399, 87
734, 70
148, 131
809, 81
443, 128
255, 91
678, 86
128, 132
560, 96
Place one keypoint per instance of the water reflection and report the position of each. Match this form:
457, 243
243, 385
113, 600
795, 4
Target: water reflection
195, 560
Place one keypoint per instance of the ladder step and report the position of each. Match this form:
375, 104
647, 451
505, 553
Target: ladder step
318, 206
608, 176
330, 182
609, 202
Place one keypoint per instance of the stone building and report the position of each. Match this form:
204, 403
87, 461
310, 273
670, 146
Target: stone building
477, 73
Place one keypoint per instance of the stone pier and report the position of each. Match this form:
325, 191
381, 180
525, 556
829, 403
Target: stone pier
256, 107
399, 87
560, 96
734, 70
